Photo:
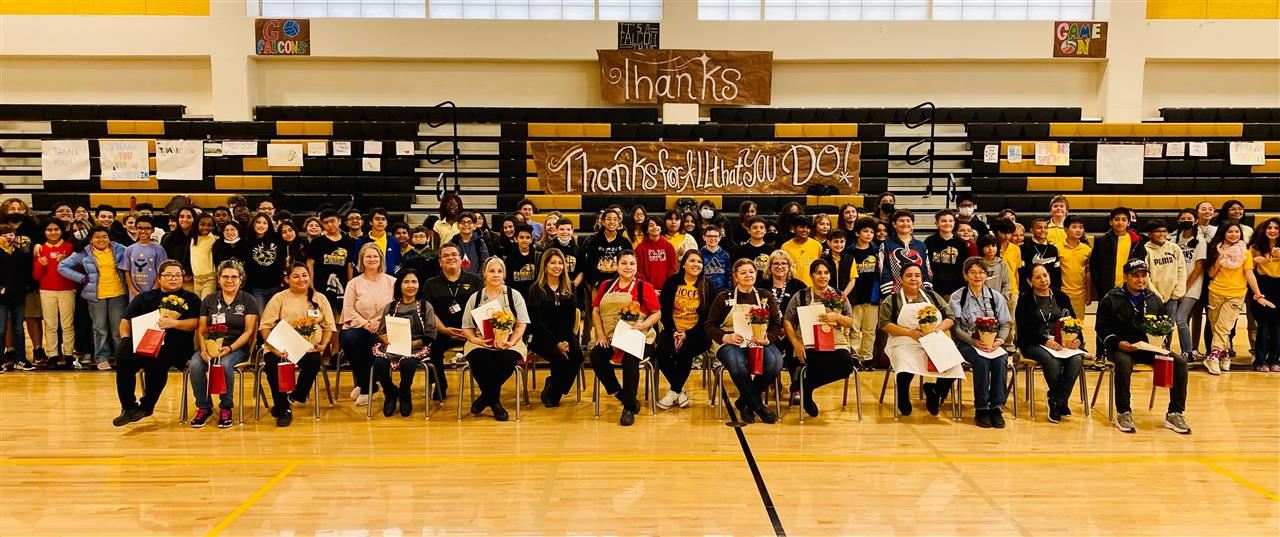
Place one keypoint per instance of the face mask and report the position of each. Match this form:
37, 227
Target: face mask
967, 211
770, 237
707, 214
886, 208
1184, 225
15, 217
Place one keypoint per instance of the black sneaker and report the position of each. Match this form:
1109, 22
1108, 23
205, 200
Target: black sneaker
997, 419
389, 404
1055, 415
202, 416
932, 401
284, 419
982, 419
795, 398
24, 365
745, 414
500, 413
40, 359
1064, 409
628, 418
128, 416
224, 418
767, 415
406, 404
904, 404
477, 406
810, 407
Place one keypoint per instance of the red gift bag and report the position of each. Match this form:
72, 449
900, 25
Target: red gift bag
1163, 367
617, 357
929, 365
149, 346
284, 374
824, 338
217, 380
486, 329
755, 357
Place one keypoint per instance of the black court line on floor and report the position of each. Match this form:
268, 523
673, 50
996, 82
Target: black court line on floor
751, 462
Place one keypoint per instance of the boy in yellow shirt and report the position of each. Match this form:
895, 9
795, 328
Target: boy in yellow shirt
1074, 254
803, 249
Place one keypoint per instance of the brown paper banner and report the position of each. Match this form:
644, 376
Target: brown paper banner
653, 168
685, 76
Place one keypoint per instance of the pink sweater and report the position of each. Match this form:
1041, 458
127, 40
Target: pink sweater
365, 299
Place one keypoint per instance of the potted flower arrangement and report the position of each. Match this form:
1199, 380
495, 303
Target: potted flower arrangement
986, 328
172, 307
832, 300
214, 336
629, 313
928, 319
308, 327
758, 317
503, 322
1157, 327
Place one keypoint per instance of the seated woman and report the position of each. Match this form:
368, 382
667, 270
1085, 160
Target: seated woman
236, 310
685, 301
555, 305
821, 367
782, 282
494, 360
733, 351
174, 352
409, 304
606, 312
970, 303
299, 301
898, 320
1037, 316
364, 301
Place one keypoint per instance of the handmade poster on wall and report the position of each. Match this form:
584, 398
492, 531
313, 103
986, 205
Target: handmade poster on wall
1014, 154
181, 160
64, 160
611, 168
1120, 164
240, 148
1175, 149
1079, 39
685, 76
284, 155
404, 148
282, 37
342, 149
1248, 153
637, 35
1153, 150
317, 149
371, 164
124, 160
991, 154
1053, 154
213, 149
372, 147
1198, 149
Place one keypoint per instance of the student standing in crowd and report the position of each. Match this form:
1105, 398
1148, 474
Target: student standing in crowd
821, 232
1039, 251
1056, 226
15, 281
100, 269
57, 294
966, 213
844, 273
230, 246
355, 224
1073, 255
1194, 250
715, 260
685, 299
865, 296
998, 277
1111, 251
1167, 272
330, 260
1231, 277
450, 213
637, 224
176, 349
655, 255
802, 249
265, 255
1004, 230
885, 206
143, 259
474, 251
177, 243
946, 254
27, 234
201, 251
387, 244
1265, 250
526, 209
746, 211
848, 217
755, 248
901, 249
673, 231
598, 260
522, 261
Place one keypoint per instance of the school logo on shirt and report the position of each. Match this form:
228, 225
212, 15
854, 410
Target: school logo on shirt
762, 263
867, 265
337, 257
948, 256
657, 256
607, 263
524, 273
264, 254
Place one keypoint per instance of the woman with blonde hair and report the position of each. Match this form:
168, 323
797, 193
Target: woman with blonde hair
494, 359
363, 305
553, 302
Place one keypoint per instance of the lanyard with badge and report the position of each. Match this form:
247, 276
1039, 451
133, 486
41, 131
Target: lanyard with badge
220, 317
453, 292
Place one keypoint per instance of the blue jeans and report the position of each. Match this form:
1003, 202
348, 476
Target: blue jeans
1182, 320
1183, 330
734, 359
988, 378
357, 345
106, 315
14, 313
199, 372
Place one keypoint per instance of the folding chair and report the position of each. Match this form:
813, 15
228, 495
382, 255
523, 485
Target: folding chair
956, 395
717, 389
650, 387
464, 375
844, 401
240, 376
1108, 368
1030, 367
423, 364
260, 390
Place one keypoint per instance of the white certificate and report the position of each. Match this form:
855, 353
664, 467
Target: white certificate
808, 317
941, 350
1144, 346
140, 324
404, 149
997, 353
1064, 353
372, 147
483, 312
628, 340
284, 338
399, 336
742, 323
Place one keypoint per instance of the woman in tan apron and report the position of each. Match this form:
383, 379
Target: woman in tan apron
493, 362
822, 367
609, 300
898, 320
732, 347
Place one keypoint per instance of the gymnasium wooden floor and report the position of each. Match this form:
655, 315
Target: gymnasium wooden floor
64, 470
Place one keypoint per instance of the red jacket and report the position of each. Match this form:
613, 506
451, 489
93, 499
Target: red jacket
48, 275
657, 261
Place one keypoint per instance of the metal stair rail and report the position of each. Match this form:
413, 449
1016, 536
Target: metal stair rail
442, 182
929, 116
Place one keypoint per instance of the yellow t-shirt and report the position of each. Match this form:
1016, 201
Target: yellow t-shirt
202, 256
685, 307
1270, 268
1123, 245
109, 283
1057, 235
1012, 256
803, 255
381, 242
1075, 265
1231, 282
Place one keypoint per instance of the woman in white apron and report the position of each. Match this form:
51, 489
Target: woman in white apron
493, 362
971, 302
732, 353
606, 312
898, 321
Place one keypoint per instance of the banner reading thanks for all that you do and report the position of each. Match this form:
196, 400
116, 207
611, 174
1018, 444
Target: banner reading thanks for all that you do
718, 77
695, 167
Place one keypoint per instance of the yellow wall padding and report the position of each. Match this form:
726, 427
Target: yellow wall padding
531, 184
815, 130
1213, 9
1028, 165
1145, 130
135, 127
570, 130
149, 184
835, 201
1272, 166
242, 182
196, 8
671, 200
304, 128
259, 164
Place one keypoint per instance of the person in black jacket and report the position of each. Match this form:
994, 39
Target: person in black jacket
554, 307
685, 300
1038, 312
174, 352
264, 253
1120, 317
1107, 257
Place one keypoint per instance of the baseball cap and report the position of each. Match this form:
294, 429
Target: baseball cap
1134, 265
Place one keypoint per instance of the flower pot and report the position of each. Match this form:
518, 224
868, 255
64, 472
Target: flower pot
168, 314
501, 334
757, 331
928, 328
213, 347
988, 339
1069, 337
1156, 341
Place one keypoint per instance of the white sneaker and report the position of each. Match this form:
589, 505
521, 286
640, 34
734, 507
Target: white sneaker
683, 400
104, 366
1224, 363
1211, 364
668, 400
355, 392
363, 400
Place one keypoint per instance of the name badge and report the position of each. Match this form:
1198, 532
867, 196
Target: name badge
455, 308
313, 313
218, 318
731, 302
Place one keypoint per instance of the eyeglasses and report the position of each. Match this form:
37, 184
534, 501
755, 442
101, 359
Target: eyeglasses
171, 276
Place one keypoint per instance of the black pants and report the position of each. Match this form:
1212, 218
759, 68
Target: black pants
941, 386
601, 362
677, 364
564, 366
155, 374
825, 367
308, 367
357, 345
1124, 370
1059, 374
491, 369
382, 375
442, 345
82, 325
